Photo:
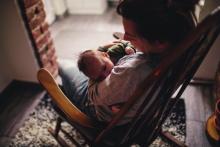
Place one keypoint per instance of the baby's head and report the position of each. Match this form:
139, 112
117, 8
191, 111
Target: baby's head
95, 64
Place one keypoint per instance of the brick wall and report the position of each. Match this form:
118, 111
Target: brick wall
34, 15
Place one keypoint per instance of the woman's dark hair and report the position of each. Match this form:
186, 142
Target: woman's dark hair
163, 20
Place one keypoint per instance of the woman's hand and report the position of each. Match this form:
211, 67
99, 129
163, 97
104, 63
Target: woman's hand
129, 50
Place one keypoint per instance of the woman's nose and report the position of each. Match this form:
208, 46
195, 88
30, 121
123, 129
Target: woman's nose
128, 38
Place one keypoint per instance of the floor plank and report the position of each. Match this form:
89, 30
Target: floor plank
196, 134
76, 33
16, 102
199, 106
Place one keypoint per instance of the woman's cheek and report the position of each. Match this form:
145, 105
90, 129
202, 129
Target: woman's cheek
137, 45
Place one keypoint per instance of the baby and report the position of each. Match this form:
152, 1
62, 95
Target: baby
97, 64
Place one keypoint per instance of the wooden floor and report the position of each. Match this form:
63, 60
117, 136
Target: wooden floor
16, 102
199, 106
76, 33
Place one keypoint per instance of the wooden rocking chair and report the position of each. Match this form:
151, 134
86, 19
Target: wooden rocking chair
171, 76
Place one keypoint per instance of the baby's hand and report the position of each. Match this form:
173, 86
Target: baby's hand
129, 50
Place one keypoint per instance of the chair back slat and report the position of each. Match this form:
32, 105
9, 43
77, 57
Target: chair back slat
135, 120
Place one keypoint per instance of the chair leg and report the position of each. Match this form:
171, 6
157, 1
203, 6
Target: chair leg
58, 126
168, 137
55, 133
70, 138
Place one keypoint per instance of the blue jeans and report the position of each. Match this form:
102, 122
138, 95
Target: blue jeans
75, 86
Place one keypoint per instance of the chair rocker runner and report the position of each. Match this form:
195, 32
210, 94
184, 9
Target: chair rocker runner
172, 75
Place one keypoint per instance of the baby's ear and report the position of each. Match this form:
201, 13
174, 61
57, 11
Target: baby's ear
105, 54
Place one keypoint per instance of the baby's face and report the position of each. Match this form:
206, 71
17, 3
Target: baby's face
101, 66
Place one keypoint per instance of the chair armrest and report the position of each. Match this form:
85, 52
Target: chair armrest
70, 110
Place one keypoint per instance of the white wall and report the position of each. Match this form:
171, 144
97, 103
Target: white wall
18, 59
208, 68
86, 6
59, 7
50, 14
5, 77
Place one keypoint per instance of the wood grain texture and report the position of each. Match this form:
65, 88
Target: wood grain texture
16, 103
70, 110
199, 106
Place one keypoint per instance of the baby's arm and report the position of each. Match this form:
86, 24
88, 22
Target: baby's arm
106, 47
126, 46
118, 47
119, 50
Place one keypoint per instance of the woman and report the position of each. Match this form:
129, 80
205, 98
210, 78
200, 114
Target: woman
152, 27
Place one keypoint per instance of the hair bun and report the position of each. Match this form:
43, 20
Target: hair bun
182, 4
